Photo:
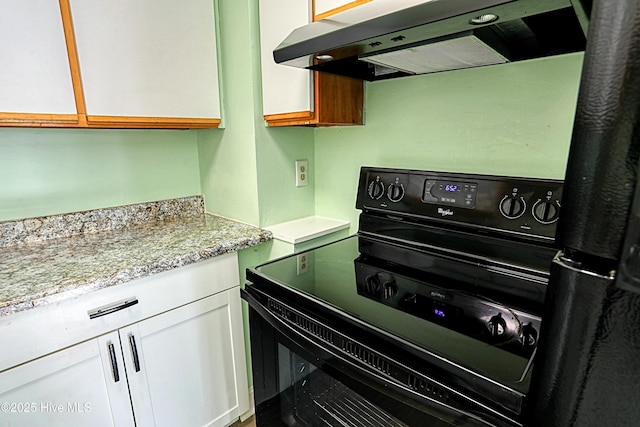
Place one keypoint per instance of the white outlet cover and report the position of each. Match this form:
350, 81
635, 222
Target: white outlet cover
302, 173
302, 264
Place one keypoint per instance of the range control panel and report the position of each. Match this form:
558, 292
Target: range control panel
526, 207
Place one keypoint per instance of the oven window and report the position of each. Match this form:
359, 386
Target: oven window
292, 391
311, 397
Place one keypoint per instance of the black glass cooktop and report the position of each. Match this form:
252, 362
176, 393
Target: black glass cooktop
453, 317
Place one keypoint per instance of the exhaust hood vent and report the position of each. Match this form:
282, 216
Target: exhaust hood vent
464, 51
394, 38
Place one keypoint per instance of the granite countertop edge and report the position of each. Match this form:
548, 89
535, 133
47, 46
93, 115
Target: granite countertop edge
244, 236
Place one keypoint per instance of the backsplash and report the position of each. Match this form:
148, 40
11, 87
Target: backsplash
33, 230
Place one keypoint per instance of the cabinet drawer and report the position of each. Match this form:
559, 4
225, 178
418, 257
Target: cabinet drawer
34, 333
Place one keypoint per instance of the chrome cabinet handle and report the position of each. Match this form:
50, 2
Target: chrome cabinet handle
134, 352
112, 308
114, 362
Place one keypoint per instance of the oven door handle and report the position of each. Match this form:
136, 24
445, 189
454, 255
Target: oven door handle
454, 414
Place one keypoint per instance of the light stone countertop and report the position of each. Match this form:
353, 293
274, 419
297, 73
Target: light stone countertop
41, 272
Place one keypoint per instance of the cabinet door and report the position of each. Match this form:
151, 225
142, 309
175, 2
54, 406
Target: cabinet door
67, 388
324, 8
293, 96
285, 89
147, 61
188, 367
35, 81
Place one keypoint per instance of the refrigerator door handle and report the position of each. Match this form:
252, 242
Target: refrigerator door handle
629, 277
579, 267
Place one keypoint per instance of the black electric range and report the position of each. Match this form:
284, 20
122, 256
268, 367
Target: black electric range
430, 313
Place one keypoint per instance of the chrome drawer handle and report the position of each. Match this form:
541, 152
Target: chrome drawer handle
112, 308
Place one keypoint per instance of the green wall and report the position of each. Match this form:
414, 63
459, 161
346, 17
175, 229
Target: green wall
513, 119
51, 171
227, 156
247, 170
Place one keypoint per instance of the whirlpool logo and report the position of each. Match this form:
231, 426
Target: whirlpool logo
445, 212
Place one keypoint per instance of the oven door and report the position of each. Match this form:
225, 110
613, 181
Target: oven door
301, 379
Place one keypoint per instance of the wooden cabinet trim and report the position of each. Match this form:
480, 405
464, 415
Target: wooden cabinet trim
104, 122
337, 9
74, 64
151, 122
38, 120
290, 119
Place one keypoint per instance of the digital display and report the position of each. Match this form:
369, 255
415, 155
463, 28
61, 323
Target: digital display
438, 312
451, 193
452, 188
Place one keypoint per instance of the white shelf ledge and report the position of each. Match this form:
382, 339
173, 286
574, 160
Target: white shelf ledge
303, 229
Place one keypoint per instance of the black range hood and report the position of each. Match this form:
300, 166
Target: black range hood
393, 38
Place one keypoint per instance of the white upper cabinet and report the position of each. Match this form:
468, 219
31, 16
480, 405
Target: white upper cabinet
275, 26
147, 58
35, 76
115, 64
297, 97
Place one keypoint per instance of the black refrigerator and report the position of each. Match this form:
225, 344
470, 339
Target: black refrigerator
587, 370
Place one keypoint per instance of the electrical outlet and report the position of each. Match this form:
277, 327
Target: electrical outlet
303, 263
302, 173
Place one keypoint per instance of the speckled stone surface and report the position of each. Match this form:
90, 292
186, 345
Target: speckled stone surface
36, 274
32, 230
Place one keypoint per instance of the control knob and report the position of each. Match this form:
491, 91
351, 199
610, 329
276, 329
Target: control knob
529, 335
395, 192
545, 211
512, 207
497, 326
381, 285
376, 189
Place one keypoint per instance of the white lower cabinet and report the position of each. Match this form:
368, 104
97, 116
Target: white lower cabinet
66, 388
183, 367
184, 373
